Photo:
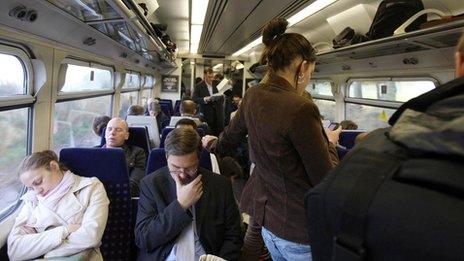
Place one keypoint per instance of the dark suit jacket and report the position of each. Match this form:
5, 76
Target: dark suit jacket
210, 110
291, 152
161, 219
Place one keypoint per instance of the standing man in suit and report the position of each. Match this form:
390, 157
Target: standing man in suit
212, 109
186, 211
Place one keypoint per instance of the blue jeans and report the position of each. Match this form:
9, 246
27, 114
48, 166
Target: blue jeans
282, 249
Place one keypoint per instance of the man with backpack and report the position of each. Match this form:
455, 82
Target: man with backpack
399, 194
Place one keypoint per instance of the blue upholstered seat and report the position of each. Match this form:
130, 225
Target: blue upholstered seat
167, 109
164, 134
138, 136
177, 107
157, 160
347, 138
109, 166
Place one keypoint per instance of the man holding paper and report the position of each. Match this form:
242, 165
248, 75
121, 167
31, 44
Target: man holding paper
206, 94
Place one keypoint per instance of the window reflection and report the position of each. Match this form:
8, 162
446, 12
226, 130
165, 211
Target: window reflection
73, 122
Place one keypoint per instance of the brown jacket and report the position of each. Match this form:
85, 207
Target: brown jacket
291, 152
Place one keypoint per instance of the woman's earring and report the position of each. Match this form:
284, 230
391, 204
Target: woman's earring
300, 78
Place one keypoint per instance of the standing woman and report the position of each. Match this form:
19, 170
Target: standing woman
62, 214
291, 150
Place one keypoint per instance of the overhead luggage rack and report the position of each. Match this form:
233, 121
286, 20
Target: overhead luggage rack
123, 22
442, 36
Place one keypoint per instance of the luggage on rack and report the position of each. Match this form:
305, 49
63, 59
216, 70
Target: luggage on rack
391, 14
347, 37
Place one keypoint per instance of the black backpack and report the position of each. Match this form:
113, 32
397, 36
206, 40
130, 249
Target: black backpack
347, 37
391, 14
386, 201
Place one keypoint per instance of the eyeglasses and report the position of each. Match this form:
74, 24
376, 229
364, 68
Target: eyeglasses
190, 171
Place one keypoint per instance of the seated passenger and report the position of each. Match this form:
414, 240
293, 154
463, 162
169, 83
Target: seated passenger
99, 123
348, 125
62, 214
188, 108
116, 134
189, 123
186, 211
135, 110
154, 110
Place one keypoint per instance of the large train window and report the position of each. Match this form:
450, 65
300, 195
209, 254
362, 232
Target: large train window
127, 99
147, 89
73, 121
321, 91
16, 103
371, 102
132, 80
86, 92
81, 76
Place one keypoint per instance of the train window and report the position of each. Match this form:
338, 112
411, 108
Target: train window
320, 88
132, 80
326, 109
148, 82
12, 78
81, 78
73, 121
127, 99
13, 148
368, 117
321, 91
371, 102
389, 90
15, 118
146, 94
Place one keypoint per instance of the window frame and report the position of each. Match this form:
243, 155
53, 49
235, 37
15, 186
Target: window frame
86, 94
128, 72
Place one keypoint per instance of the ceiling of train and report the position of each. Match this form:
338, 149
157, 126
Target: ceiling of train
230, 25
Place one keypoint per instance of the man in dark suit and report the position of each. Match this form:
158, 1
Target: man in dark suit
211, 108
185, 211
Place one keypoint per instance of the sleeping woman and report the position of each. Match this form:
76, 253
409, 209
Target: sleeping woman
62, 214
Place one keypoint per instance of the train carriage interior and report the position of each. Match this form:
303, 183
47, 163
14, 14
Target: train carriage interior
65, 62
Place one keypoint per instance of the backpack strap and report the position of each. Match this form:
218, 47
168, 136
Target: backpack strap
374, 168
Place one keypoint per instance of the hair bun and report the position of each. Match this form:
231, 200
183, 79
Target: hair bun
273, 29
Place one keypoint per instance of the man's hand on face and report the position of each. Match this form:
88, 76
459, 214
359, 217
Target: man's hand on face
188, 194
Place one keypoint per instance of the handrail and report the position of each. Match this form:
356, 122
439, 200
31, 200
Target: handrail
402, 28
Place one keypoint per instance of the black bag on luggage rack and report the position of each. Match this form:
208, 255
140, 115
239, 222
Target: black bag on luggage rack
399, 194
347, 37
391, 14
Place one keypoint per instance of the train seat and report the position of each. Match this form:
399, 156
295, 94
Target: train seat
347, 138
108, 165
164, 134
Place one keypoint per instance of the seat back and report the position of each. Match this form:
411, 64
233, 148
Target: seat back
138, 136
167, 109
347, 138
157, 160
177, 107
109, 166
164, 134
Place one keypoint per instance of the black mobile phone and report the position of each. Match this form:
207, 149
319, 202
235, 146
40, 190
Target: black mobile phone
334, 126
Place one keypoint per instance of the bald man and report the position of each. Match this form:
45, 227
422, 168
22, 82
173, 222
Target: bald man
116, 134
